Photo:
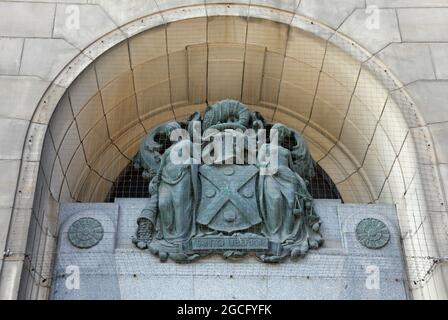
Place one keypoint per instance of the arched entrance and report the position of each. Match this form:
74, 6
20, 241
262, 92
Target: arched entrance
360, 126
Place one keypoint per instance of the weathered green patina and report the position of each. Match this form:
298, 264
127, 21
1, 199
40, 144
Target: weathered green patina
227, 205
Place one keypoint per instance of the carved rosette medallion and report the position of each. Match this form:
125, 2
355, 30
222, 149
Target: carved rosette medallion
85, 233
372, 233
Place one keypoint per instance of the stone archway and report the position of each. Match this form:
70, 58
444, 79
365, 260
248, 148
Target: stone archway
364, 132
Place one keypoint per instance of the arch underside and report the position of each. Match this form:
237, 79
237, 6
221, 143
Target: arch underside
360, 127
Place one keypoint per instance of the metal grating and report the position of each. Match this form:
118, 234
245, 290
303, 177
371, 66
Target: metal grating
131, 184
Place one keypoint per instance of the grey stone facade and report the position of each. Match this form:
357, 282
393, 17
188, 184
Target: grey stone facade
41, 55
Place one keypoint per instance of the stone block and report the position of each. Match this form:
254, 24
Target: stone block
289, 5
5, 217
46, 57
34, 141
408, 61
430, 98
27, 187
269, 34
172, 4
439, 53
94, 283
406, 3
147, 46
124, 11
57, 177
301, 43
384, 262
10, 53
12, 133
278, 16
373, 35
423, 24
26, 19
76, 171
112, 64
443, 170
439, 132
394, 124
68, 146
186, 33
10, 279
234, 29
83, 89
325, 12
122, 117
10, 169
61, 121
20, 95
95, 141
89, 116
81, 24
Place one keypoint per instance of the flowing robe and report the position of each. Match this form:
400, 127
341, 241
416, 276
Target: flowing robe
172, 207
281, 196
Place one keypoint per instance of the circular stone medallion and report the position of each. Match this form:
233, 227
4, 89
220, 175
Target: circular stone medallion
85, 233
372, 233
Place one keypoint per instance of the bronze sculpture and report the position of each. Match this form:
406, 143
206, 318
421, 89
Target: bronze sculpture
233, 200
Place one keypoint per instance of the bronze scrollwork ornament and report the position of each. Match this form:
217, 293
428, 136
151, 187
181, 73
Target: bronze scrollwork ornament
235, 203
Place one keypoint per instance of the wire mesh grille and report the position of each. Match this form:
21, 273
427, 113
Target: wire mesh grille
131, 184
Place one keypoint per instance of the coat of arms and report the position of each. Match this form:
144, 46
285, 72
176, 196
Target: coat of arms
228, 182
